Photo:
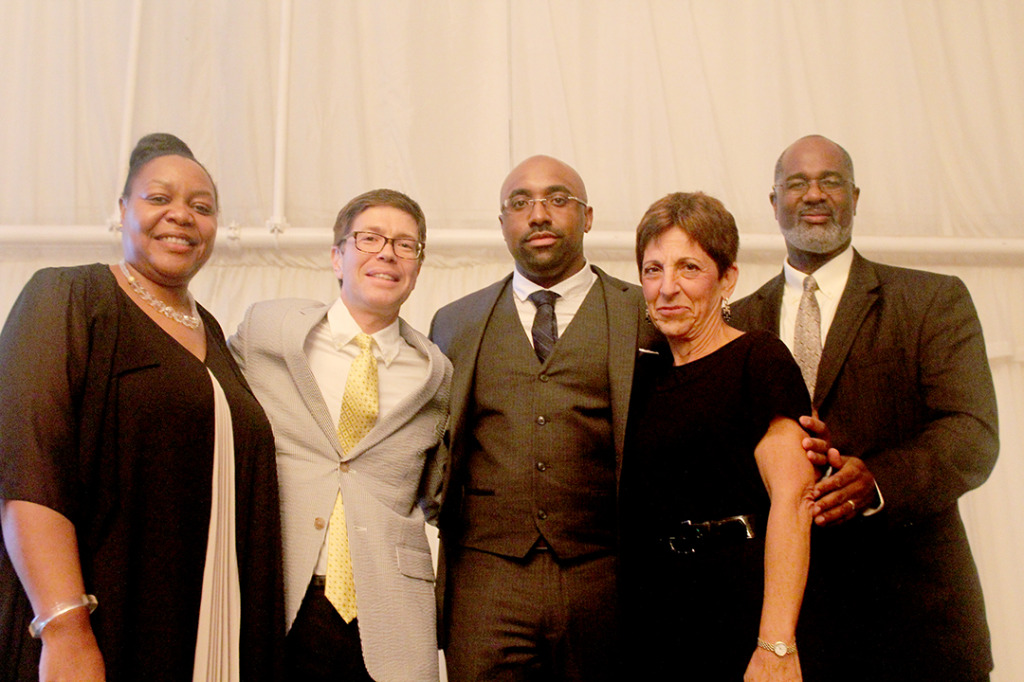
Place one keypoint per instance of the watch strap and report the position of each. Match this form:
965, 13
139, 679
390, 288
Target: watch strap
780, 649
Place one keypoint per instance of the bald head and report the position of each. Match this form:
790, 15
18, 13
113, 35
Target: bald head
546, 168
545, 238
814, 199
817, 142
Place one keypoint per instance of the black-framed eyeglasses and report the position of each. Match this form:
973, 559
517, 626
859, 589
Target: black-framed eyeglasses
371, 242
800, 186
522, 203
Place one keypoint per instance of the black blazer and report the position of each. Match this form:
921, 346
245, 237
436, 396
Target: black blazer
903, 384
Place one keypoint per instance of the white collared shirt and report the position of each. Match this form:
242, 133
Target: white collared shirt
331, 348
571, 292
831, 278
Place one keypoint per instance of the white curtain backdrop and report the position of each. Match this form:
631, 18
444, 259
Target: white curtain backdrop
297, 105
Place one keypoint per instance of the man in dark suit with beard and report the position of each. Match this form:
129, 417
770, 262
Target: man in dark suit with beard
896, 365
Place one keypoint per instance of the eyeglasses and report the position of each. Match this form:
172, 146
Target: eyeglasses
521, 204
800, 186
371, 242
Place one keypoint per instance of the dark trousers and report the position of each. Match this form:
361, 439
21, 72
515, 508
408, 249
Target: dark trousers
533, 619
320, 645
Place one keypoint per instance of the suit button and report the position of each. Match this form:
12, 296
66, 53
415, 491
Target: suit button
542, 515
541, 466
319, 523
544, 377
343, 467
541, 421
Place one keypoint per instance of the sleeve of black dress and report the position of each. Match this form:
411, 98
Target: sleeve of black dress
40, 352
777, 387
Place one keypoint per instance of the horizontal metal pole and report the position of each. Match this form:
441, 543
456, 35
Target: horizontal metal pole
611, 243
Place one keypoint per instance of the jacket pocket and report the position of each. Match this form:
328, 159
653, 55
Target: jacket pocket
415, 563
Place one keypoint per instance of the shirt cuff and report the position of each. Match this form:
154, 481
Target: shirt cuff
869, 511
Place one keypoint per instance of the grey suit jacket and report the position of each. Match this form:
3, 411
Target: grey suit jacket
904, 384
390, 483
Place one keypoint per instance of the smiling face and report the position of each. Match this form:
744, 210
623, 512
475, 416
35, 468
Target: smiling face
169, 220
545, 241
816, 222
682, 287
375, 285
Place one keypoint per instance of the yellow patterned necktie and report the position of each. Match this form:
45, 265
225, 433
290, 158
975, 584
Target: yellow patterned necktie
358, 413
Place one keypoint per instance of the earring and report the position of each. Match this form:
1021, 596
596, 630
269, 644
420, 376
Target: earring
726, 310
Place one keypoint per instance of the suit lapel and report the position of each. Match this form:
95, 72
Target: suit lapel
768, 310
409, 406
295, 327
860, 295
623, 321
464, 351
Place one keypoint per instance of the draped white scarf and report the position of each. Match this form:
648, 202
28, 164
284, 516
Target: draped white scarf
220, 612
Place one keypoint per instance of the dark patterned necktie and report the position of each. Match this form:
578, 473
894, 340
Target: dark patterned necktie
545, 328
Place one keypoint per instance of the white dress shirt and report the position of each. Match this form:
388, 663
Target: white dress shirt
571, 292
831, 278
331, 348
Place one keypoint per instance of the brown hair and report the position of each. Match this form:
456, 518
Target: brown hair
378, 197
703, 218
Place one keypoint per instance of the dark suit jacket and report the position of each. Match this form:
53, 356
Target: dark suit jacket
458, 330
903, 384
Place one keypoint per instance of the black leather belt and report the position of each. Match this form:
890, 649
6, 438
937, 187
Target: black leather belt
690, 537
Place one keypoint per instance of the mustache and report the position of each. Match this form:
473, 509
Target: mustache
544, 231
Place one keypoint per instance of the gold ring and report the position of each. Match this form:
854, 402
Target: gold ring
853, 507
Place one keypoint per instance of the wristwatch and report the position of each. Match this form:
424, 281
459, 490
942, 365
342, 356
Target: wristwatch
780, 649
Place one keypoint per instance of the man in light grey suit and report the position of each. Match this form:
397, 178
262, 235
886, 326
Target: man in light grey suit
296, 355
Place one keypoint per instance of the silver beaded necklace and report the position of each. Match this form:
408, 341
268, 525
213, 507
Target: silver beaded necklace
191, 321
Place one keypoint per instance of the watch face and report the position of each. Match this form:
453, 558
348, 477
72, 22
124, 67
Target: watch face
780, 648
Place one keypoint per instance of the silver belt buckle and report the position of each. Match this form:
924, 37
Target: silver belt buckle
742, 518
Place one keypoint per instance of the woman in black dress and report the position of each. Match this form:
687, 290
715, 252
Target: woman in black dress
136, 467
716, 487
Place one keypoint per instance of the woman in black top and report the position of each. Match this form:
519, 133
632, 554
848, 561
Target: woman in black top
136, 467
716, 487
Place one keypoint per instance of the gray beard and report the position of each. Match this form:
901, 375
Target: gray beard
822, 239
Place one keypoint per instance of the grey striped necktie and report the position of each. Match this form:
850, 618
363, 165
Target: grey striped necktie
545, 328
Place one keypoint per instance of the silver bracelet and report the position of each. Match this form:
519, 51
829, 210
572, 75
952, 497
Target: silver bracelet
35, 628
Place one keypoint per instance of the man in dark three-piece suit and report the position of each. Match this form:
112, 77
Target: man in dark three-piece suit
543, 370
358, 461
901, 378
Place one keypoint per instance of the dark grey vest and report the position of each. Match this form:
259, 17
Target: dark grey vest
542, 459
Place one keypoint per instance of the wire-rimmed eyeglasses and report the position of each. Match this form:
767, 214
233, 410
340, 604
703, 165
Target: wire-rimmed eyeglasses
800, 186
371, 242
521, 203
